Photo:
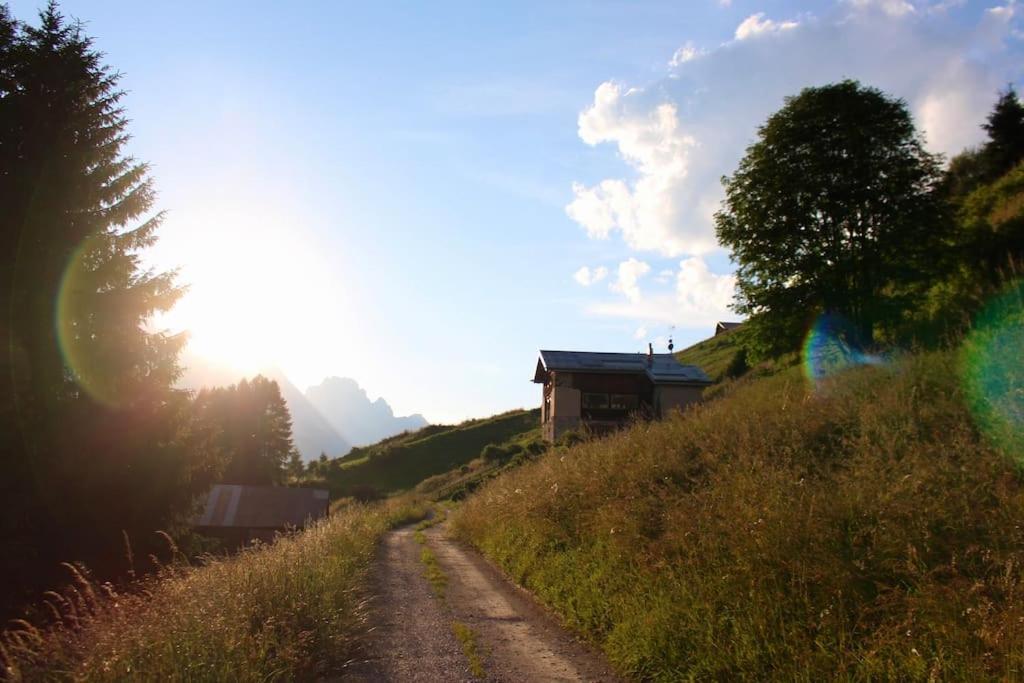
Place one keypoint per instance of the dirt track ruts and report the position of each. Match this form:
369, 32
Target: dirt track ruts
412, 639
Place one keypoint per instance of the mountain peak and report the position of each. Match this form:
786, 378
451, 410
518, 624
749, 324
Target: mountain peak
349, 410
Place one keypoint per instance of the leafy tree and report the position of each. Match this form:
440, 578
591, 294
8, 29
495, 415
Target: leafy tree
966, 171
1005, 128
254, 429
96, 439
832, 209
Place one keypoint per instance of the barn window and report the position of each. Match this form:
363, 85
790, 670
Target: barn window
624, 401
595, 401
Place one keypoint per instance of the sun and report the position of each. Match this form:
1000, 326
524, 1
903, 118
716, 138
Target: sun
255, 291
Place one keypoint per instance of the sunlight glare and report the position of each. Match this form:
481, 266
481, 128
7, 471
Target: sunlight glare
259, 296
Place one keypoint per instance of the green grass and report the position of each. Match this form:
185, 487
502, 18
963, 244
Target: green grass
402, 462
711, 355
859, 530
468, 638
432, 570
292, 610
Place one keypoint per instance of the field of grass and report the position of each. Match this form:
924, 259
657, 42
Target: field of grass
862, 529
402, 462
711, 355
292, 610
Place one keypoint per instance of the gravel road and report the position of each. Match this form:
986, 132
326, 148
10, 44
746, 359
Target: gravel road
412, 637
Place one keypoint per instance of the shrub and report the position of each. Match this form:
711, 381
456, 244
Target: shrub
738, 365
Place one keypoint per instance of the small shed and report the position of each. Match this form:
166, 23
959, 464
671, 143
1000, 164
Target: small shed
239, 514
723, 327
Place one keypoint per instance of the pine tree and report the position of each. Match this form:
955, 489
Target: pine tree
1005, 128
254, 430
98, 440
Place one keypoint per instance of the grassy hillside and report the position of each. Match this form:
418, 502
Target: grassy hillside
862, 530
401, 462
711, 355
288, 611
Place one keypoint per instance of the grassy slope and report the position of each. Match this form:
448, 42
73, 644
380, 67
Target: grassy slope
288, 611
861, 530
401, 463
712, 355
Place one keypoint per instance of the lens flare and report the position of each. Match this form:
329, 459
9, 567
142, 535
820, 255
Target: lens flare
77, 320
831, 346
993, 371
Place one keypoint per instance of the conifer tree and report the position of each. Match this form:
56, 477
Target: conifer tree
253, 428
97, 439
1005, 128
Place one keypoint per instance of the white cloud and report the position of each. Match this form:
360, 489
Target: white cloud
641, 333
700, 292
648, 137
1003, 12
587, 276
685, 54
680, 135
697, 300
893, 8
725, 3
757, 24
630, 272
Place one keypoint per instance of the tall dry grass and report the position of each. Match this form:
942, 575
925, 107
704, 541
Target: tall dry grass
860, 531
290, 610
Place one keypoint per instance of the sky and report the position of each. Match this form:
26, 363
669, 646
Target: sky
420, 196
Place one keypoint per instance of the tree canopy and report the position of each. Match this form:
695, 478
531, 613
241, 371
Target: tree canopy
832, 210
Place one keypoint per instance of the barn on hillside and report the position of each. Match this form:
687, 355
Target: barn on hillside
239, 514
603, 391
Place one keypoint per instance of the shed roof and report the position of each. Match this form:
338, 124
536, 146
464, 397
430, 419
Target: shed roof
724, 326
663, 368
262, 507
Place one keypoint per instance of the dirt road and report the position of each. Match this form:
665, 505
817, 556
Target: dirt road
509, 637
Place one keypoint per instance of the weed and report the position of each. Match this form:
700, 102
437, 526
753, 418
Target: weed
468, 638
432, 570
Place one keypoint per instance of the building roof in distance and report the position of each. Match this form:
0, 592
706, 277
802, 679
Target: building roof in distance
663, 368
262, 507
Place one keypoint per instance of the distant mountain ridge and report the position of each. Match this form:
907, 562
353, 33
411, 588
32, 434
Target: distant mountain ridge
312, 433
329, 418
350, 411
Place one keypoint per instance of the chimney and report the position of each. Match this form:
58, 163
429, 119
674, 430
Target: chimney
650, 355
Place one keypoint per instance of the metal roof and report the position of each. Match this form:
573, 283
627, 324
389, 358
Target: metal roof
663, 368
262, 507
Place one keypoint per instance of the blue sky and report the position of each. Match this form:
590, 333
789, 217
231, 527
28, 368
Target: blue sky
419, 196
